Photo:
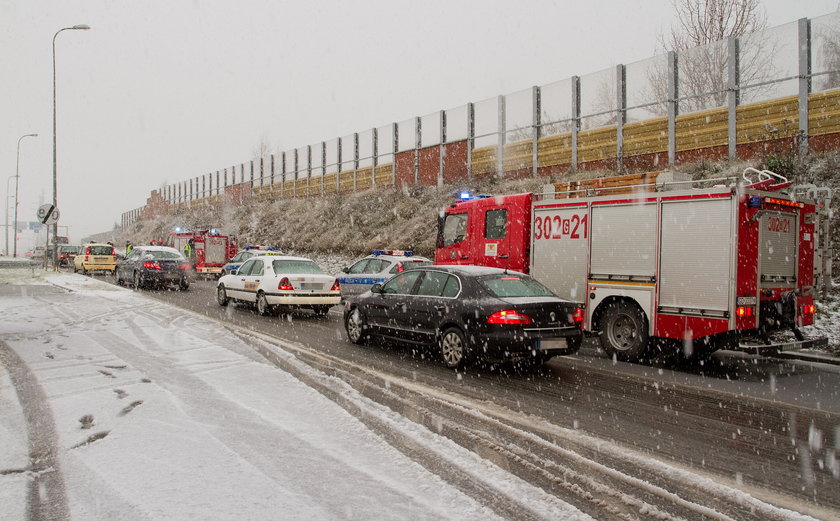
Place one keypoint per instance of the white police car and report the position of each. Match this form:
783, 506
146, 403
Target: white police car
246, 253
380, 266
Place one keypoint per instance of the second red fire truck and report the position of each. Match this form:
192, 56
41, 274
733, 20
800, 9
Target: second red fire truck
694, 268
211, 248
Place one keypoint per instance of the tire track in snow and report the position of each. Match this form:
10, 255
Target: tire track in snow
46, 496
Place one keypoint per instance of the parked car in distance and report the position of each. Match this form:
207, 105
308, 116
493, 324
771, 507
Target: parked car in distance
246, 253
67, 254
273, 282
154, 266
95, 257
468, 312
379, 266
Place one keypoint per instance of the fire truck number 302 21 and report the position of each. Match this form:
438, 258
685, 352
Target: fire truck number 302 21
777, 224
556, 227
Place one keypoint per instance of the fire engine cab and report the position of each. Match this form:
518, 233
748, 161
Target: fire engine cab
211, 248
695, 265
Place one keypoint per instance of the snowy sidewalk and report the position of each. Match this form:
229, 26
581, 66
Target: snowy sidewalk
159, 413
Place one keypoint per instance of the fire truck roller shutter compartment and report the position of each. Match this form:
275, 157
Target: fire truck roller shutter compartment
624, 241
777, 249
215, 250
696, 256
560, 238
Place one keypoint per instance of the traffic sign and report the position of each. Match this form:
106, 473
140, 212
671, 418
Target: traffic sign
47, 214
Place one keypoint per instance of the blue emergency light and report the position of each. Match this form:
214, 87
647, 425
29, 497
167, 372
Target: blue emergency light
755, 201
464, 196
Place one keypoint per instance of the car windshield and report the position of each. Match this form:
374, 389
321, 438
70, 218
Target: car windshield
295, 266
101, 250
68, 249
515, 286
156, 254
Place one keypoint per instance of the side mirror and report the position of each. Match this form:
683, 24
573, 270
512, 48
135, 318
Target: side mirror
376, 288
346, 269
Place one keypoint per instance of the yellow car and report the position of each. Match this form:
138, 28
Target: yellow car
95, 257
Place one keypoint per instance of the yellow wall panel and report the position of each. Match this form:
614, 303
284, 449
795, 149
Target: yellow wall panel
767, 120
554, 150
646, 137
702, 129
596, 145
824, 113
385, 174
484, 160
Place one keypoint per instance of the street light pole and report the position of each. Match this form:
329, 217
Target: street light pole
8, 196
17, 180
80, 27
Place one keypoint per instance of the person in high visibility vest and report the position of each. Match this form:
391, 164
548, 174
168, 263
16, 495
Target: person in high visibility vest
128, 247
188, 249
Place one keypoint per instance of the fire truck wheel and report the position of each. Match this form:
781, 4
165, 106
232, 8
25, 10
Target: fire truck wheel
355, 326
624, 331
453, 348
263, 307
221, 295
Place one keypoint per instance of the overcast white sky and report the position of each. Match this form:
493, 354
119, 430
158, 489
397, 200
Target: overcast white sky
161, 91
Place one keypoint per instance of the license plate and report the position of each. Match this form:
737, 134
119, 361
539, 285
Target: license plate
101, 259
310, 285
552, 343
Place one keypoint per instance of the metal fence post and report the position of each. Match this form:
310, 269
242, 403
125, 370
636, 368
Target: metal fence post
575, 120
396, 147
262, 171
295, 175
282, 174
355, 158
374, 136
323, 164
252, 173
308, 168
620, 114
673, 106
441, 148
804, 82
536, 127
417, 139
338, 167
218, 179
733, 93
502, 137
271, 176
470, 137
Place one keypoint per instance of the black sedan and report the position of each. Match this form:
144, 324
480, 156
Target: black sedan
468, 312
153, 265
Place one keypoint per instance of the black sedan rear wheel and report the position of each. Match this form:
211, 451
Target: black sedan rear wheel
355, 326
453, 348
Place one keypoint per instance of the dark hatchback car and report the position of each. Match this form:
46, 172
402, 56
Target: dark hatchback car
468, 312
153, 266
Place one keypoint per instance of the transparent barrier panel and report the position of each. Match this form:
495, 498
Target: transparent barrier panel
365, 148
457, 124
598, 99
519, 115
647, 88
556, 105
767, 57
702, 77
430, 130
407, 138
385, 140
486, 122
825, 52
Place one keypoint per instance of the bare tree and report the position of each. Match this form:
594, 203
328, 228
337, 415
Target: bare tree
829, 45
699, 36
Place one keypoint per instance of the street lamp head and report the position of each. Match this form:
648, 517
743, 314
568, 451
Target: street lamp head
81, 27
31, 135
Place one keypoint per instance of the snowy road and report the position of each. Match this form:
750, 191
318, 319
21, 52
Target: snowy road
216, 422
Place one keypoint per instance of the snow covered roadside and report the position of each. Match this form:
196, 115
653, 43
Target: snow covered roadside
162, 414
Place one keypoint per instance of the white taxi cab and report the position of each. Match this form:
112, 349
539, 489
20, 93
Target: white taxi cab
279, 281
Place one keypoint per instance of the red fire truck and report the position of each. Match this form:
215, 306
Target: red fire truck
211, 248
695, 268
